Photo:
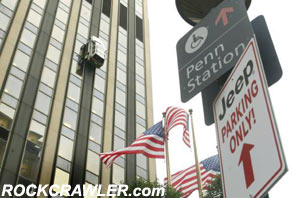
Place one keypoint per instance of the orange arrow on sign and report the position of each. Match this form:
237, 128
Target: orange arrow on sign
223, 15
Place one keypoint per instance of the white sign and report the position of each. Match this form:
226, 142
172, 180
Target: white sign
251, 156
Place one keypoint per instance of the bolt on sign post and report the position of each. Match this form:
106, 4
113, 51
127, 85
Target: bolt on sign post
250, 151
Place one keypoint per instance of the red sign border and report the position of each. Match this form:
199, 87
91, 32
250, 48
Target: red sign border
271, 117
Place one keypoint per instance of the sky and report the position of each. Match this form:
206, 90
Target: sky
167, 27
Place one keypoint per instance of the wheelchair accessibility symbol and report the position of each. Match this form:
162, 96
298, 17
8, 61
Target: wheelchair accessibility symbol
196, 40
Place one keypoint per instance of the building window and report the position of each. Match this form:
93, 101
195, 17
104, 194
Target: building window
61, 178
99, 83
30, 165
120, 120
65, 149
118, 174
21, 60
36, 132
13, 86
74, 92
48, 77
95, 133
123, 16
141, 173
9, 3
106, 7
28, 38
58, 34
34, 18
70, 118
97, 106
119, 143
53, 54
42, 103
139, 28
93, 162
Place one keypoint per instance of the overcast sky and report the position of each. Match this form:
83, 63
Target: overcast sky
167, 27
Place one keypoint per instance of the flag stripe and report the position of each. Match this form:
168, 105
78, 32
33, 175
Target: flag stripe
176, 117
150, 144
186, 181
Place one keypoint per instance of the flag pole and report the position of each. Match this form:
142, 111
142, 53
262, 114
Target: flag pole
169, 182
196, 157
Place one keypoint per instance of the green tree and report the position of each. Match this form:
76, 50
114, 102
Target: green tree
214, 190
142, 183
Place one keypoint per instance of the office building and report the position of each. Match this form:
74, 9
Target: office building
54, 122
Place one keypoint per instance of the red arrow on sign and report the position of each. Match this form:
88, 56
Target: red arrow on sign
223, 15
247, 163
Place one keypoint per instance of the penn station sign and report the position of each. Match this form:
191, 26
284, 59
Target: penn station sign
212, 47
214, 61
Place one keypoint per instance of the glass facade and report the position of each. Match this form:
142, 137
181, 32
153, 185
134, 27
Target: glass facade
7, 11
17, 73
141, 160
71, 109
93, 162
30, 164
45, 43
119, 138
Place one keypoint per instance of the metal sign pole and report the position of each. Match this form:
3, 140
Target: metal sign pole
196, 158
169, 182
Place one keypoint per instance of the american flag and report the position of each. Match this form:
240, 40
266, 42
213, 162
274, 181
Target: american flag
177, 116
186, 180
151, 144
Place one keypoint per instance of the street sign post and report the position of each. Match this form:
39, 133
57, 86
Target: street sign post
212, 47
251, 156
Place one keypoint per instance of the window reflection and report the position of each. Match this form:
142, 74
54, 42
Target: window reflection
65, 148
61, 178
53, 54
120, 120
139, 129
34, 18
74, 92
99, 83
21, 60
48, 77
13, 86
42, 103
10, 101
62, 16
58, 33
118, 174
36, 133
140, 110
4, 21
119, 143
30, 164
9, 3
97, 106
141, 173
28, 38
93, 162
141, 161
70, 118
95, 133
140, 70
121, 75
5, 125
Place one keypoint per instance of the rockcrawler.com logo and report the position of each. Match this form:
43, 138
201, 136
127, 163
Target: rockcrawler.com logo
79, 190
